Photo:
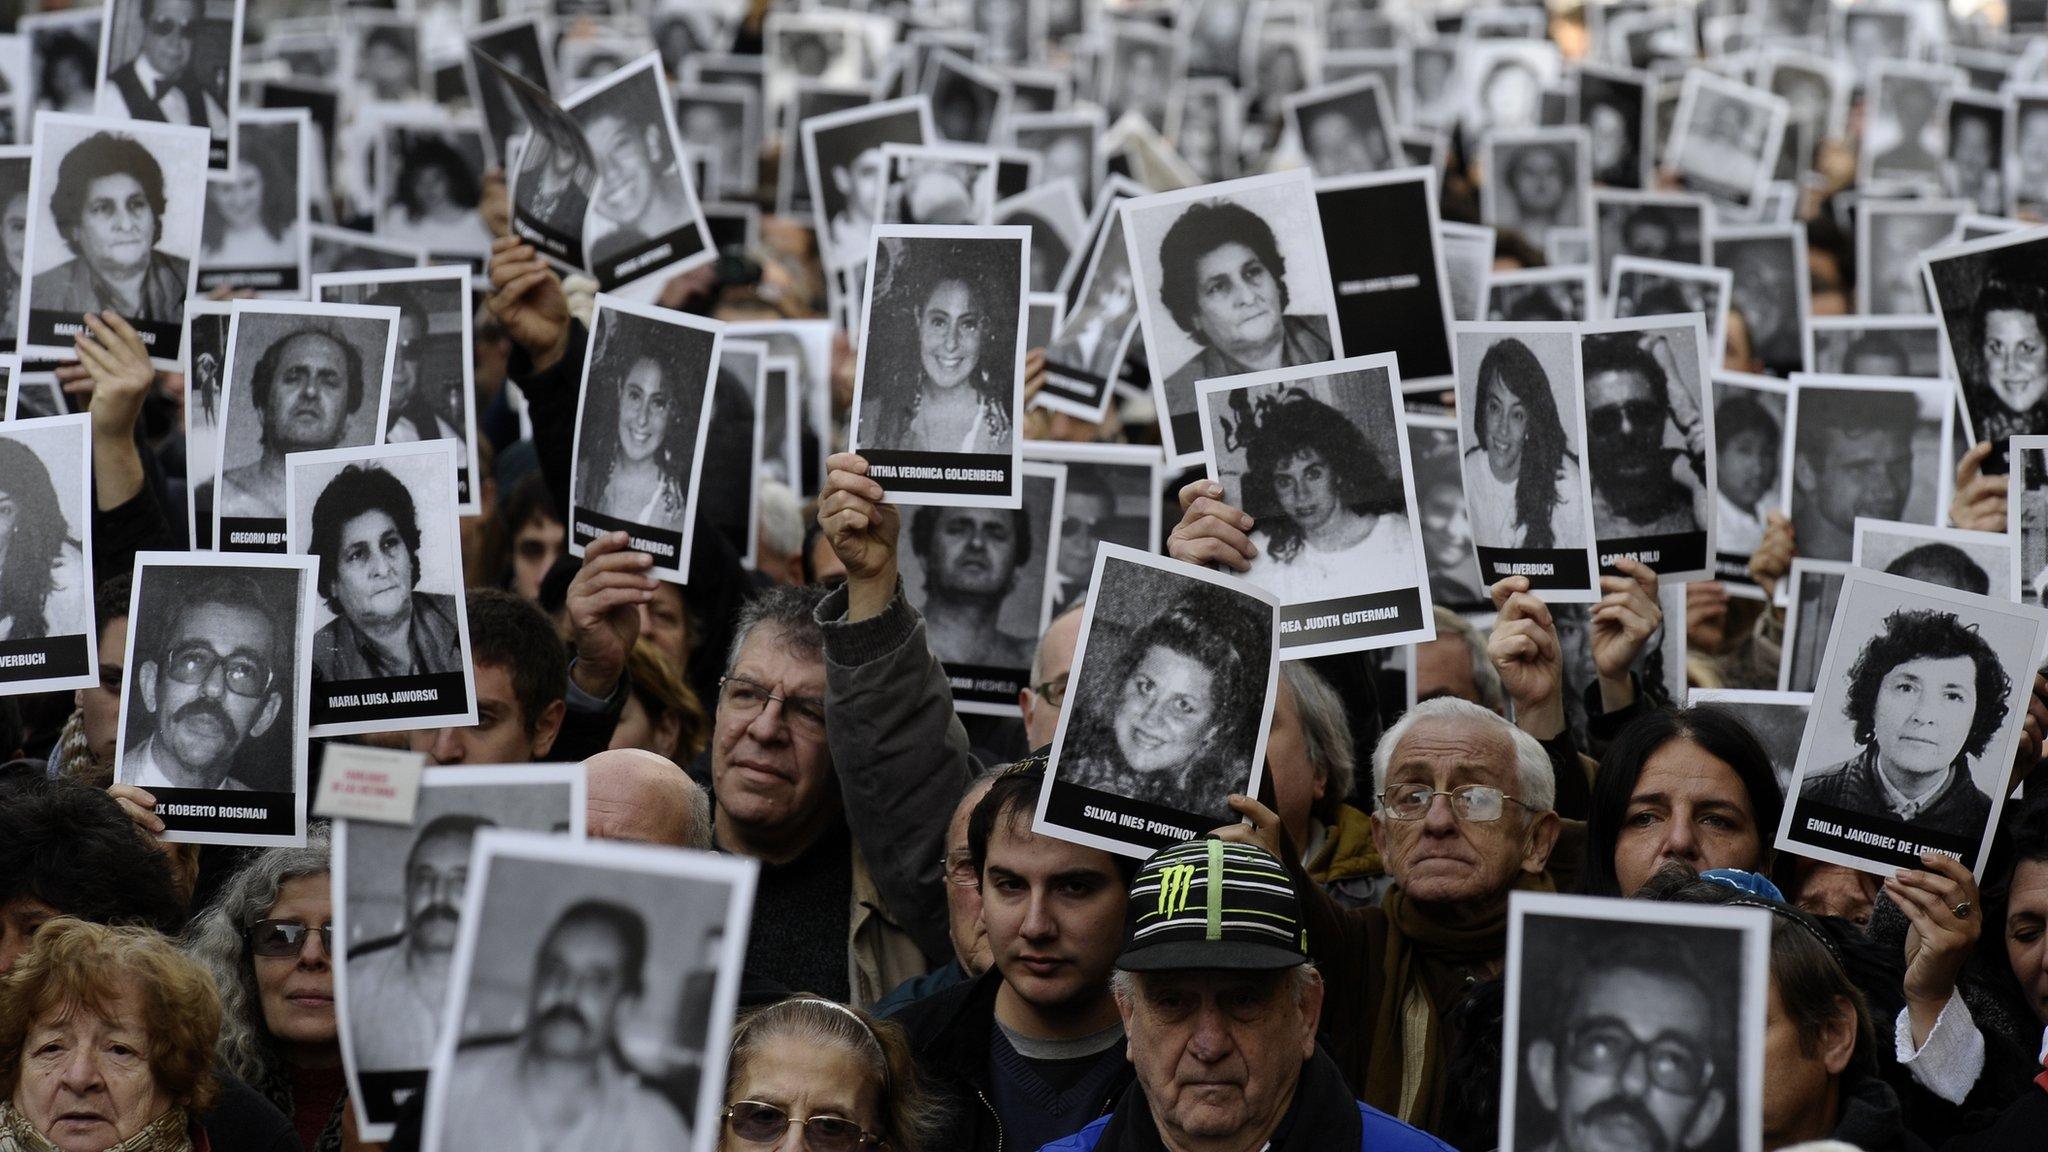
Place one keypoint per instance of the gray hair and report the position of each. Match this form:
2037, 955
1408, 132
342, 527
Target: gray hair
782, 518
1325, 733
792, 611
1124, 985
1533, 775
217, 939
1485, 679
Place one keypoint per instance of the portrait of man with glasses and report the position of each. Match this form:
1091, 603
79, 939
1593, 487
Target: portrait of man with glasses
166, 62
210, 670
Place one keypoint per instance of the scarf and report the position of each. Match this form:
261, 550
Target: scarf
1426, 949
1323, 1117
166, 1133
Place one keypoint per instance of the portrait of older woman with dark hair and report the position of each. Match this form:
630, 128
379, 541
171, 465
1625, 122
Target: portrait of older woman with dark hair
1176, 723
943, 303
366, 533
434, 196
41, 567
1926, 695
640, 430
1224, 281
1522, 476
1328, 515
108, 206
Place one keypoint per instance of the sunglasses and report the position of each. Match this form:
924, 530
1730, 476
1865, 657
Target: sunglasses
194, 663
165, 26
285, 937
758, 1123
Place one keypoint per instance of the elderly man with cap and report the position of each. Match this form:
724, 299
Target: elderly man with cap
1220, 1005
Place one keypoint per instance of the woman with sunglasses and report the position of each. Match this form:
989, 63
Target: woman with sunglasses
812, 1075
268, 939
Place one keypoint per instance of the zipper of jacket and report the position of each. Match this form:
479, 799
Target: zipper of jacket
997, 1116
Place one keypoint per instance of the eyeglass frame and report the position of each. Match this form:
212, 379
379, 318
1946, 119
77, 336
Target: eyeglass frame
326, 932
1053, 691
806, 701
1638, 1046
1429, 801
866, 1139
169, 660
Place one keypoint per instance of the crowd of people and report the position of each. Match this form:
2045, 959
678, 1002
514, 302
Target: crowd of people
926, 968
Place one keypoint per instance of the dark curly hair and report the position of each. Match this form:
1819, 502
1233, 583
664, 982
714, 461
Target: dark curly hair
1212, 627
622, 342
925, 521
1511, 365
70, 846
1926, 634
1623, 352
359, 489
423, 152
912, 272
2003, 293
31, 549
272, 361
1202, 229
1298, 427
98, 156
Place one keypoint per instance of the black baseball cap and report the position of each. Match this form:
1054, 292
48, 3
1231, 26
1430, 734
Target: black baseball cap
1213, 904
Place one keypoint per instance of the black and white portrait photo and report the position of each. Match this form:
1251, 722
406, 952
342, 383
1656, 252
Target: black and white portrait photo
937, 184
1467, 254
254, 235
735, 444
1111, 497
15, 198
1501, 83
1143, 64
430, 394
1991, 299
1917, 707
2030, 144
1974, 163
1866, 447
815, 44
1230, 278
1522, 435
1812, 589
939, 387
793, 177
843, 152
1613, 105
430, 181
516, 44
1979, 563
1816, 94
1167, 705
398, 896
1650, 443
1440, 499
1562, 292
206, 354
595, 982
1766, 264
213, 706
983, 580
1639, 287
173, 62
1749, 472
48, 639
1088, 352
1776, 719
1903, 137
1652, 225
382, 52
1317, 457
298, 378
1876, 345
1593, 983
723, 119
1394, 293
640, 429
63, 65
114, 225
1067, 147
2027, 521
1346, 128
390, 629
1537, 179
969, 102
550, 170
332, 249
1892, 237
807, 345
1205, 123
1058, 223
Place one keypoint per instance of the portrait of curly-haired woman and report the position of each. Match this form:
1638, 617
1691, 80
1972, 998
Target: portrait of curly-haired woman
42, 581
637, 435
940, 369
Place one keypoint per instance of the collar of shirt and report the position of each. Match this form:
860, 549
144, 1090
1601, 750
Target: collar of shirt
1906, 806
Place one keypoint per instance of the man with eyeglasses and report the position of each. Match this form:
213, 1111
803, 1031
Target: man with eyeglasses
209, 686
158, 84
1630, 381
1465, 816
398, 983
1636, 1053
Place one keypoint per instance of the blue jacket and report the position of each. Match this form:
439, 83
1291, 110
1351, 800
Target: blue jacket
1382, 1133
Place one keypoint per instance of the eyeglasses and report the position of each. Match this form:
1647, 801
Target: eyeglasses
194, 663
1053, 692
1674, 1065
759, 1123
959, 867
285, 937
1478, 803
165, 26
747, 699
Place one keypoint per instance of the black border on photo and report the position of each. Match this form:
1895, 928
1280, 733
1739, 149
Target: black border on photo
904, 121
243, 817
288, 280
1956, 278
1616, 83
1732, 567
674, 252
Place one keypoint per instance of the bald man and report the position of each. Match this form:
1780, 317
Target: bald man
634, 795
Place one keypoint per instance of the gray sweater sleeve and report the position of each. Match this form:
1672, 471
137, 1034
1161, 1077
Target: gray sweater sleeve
901, 754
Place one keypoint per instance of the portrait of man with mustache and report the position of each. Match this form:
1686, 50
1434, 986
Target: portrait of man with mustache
397, 983
216, 680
